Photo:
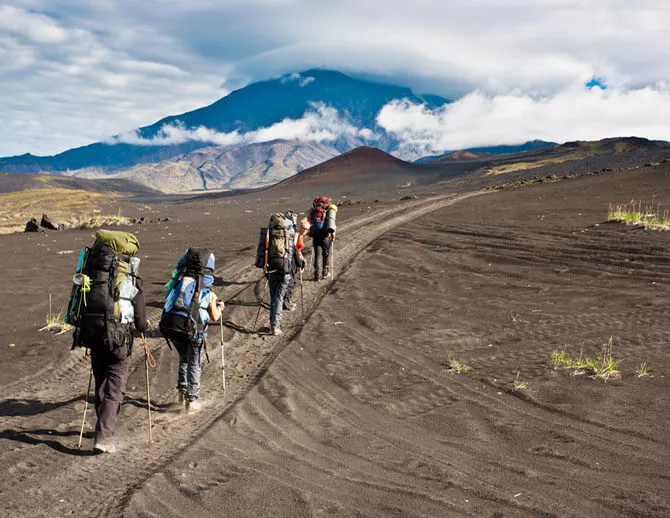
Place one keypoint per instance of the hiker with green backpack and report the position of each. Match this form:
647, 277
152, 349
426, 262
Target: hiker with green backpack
277, 255
107, 301
190, 305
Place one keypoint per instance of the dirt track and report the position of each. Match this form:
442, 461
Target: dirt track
355, 413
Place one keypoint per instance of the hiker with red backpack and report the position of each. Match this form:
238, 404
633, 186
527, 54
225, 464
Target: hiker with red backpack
278, 257
107, 300
190, 305
322, 220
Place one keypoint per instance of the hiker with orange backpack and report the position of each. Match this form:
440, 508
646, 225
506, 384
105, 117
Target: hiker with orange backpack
277, 256
322, 220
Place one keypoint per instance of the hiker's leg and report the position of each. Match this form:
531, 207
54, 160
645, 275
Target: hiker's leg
317, 259
274, 281
99, 368
281, 293
195, 358
110, 395
182, 373
289, 291
326, 257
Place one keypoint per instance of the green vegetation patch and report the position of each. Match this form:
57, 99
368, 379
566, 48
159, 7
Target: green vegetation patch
649, 215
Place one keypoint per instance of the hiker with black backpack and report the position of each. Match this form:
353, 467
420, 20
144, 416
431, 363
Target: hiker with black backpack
107, 300
190, 305
322, 220
277, 255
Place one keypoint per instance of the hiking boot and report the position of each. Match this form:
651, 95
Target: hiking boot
103, 448
326, 273
276, 331
289, 307
193, 405
182, 396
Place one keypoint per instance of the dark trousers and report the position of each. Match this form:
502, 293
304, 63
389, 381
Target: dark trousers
111, 375
321, 257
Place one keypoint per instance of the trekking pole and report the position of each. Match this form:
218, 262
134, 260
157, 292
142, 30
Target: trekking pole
302, 298
83, 419
147, 354
223, 357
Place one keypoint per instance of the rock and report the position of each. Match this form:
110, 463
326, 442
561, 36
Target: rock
47, 223
33, 226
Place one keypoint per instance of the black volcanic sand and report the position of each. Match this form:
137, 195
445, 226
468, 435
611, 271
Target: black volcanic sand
356, 412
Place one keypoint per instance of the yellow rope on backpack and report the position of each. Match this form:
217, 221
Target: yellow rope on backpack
85, 288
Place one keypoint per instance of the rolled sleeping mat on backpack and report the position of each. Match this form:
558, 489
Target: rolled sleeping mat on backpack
260, 250
331, 217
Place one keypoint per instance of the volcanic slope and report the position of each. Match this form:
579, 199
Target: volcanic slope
367, 168
356, 412
361, 414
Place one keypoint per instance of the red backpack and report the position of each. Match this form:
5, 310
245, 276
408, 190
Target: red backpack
317, 215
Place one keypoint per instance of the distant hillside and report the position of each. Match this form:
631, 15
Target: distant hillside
612, 153
531, 145
258, 105
240, 167
363, 165
11, 182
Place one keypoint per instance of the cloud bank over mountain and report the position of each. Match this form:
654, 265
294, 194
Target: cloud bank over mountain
320, 124
72, 73
573, 114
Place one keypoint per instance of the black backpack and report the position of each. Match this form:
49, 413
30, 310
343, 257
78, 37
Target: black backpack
185, 317
101, 307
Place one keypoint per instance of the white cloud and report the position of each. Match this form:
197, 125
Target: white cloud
74, 72
574, 114
32, 26
321, 123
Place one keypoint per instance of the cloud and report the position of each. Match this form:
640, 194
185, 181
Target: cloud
34, 27
72, 73
320, 124
297, 78
578, 113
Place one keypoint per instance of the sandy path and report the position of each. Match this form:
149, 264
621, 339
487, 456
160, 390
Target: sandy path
359, 417
79, 483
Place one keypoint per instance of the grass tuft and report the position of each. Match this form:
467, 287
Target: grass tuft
604, 366
103, 220
642, 369
457, 366
518, 384
648, 216
54, 321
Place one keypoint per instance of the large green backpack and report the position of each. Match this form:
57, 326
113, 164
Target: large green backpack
279, 245
104, 287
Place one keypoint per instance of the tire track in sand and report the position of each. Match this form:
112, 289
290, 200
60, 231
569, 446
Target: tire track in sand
111, 480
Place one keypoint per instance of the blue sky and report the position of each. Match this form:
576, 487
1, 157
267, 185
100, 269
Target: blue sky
74, 72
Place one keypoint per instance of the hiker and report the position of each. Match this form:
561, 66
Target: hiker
292, 227
107, 300
322, 220
190, 304
277, 256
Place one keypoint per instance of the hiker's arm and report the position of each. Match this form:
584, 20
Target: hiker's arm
215, 307
141, 322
